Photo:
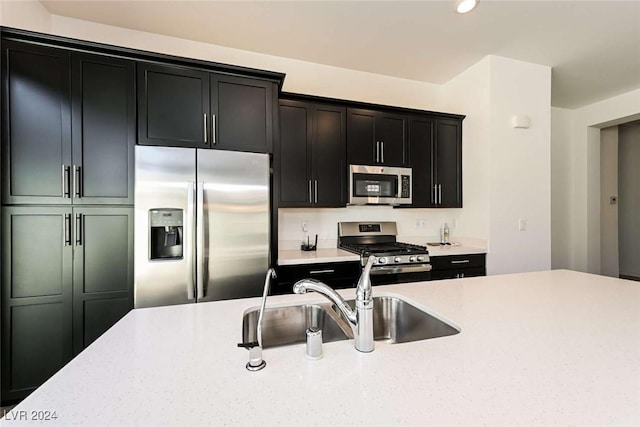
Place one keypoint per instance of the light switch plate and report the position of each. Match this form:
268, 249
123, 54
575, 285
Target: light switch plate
522, 224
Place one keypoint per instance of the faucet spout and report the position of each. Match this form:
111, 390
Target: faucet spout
313, 285
360, 319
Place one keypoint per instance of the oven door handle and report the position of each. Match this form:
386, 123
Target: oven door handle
397, 269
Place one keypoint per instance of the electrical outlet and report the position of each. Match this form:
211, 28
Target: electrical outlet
522, 224
305, 226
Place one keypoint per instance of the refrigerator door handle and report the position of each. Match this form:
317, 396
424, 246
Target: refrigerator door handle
191, 238
200, 258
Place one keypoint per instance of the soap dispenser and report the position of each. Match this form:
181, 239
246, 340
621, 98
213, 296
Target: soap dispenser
445, 234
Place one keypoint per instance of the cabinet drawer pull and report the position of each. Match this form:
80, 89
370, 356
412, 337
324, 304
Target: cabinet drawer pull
377, 151
382, 152
330, 270
310, 198
463, 261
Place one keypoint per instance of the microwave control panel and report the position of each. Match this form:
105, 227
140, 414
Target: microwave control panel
405, 186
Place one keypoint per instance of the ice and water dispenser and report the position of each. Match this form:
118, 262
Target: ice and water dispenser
166, 231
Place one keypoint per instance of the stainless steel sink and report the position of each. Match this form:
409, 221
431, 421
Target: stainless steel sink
397, 321
288, 325
394, 321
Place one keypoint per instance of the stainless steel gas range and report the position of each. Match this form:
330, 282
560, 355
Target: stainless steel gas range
396, 262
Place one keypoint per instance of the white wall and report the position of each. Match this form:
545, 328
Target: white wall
608, 211
520, 167
26, 15
561, 175
629, 186
302, 77
583, 164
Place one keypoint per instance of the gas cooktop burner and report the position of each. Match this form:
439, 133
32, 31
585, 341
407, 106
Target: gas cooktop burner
385, 249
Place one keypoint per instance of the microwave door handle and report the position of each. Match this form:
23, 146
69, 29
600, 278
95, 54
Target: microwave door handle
396, 188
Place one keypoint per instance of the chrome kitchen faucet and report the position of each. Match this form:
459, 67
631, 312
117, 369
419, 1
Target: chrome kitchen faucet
256, 362
360, 319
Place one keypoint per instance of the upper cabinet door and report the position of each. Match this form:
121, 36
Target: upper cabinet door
103, 134
421, 130
242, 114
328, 154
362, 147
376, 138
293, 158
36, 124
391, 134
173, 106
448, 168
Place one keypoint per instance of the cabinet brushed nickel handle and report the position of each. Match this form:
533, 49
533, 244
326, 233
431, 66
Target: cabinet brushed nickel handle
66, 190
204, 127
78, 230
213, 129
439, 194
316, 190
330, 270
310, 198
463, 261
77, 182
377, 151
382, 152
66, 227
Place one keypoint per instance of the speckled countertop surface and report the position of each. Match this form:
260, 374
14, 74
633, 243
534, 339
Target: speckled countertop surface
296, 257
536, 349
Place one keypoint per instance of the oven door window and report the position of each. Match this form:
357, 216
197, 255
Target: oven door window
375, 185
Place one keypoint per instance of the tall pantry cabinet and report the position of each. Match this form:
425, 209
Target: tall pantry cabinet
68, 135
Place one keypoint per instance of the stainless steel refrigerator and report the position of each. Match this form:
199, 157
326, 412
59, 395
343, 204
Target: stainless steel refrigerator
201, 225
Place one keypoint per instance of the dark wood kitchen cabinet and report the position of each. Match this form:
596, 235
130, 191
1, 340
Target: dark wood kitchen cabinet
184, 107
66, 278
311, 155
436, 161
376, 138
458, 266
338, 275
46, 160
102, 271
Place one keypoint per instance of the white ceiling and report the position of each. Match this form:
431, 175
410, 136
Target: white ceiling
593, 46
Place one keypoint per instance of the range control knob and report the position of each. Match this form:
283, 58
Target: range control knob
397, 259
420, 258
412, 259
382, 260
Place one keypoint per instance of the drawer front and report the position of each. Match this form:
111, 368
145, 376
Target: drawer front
458, 273
454, 262
339, 275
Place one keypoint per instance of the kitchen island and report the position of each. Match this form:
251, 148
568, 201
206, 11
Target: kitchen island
544, 348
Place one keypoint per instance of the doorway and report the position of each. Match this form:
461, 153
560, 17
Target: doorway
620, 200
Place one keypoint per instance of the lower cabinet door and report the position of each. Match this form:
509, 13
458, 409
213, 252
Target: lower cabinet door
102, 271
36, 297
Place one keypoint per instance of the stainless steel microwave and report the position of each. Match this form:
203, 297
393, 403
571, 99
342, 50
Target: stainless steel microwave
379, 185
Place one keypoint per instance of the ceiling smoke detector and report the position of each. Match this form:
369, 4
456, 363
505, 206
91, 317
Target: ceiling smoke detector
464, 6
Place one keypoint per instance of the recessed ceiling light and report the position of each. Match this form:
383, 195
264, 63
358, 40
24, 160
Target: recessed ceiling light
464, 6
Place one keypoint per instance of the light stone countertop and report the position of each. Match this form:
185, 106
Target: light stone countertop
536, 349
297, 257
